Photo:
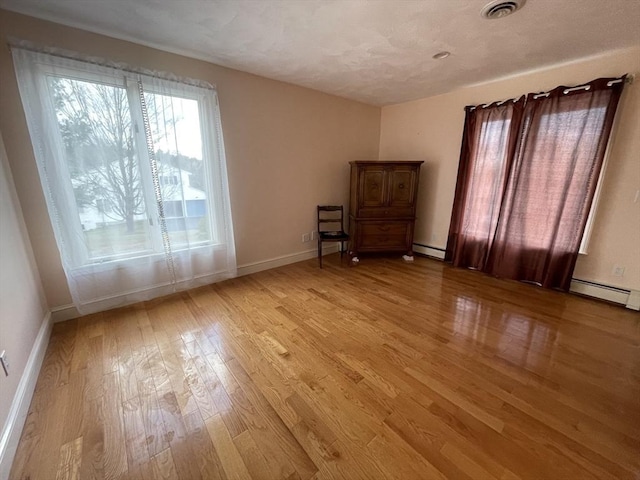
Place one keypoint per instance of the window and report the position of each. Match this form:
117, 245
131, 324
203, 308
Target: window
487, 175
116, 150
579, 127
529, 170
109, 170
169, 180
173, 208
196, 208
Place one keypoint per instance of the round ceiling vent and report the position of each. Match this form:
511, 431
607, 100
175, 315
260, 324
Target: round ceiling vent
501, 8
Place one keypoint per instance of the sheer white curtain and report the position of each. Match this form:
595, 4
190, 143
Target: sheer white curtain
134, 173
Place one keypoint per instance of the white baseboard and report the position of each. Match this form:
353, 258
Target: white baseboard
249, 268
64, 313
631, 299
68, 312
633, 302
429, 251
22, 399
603, 292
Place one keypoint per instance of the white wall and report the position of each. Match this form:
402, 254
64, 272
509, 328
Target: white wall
430, 129
22, 304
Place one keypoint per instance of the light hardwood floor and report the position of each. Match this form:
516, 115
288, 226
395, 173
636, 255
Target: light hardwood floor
385, 370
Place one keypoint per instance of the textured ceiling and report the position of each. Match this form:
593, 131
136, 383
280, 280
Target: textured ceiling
375, 51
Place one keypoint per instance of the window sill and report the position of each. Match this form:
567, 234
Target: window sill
110, 263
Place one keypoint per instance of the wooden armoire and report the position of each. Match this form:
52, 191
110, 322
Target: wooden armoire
382, 209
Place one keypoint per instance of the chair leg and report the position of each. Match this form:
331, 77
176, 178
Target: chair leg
320, 252
341, 249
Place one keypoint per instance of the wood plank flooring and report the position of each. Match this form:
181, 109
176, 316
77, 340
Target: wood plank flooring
387, 370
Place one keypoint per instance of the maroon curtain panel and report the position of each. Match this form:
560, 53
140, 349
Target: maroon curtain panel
525, 219
488, 146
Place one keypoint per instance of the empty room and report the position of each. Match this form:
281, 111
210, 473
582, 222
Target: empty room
320, 239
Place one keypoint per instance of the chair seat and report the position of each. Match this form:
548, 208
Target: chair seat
338, 236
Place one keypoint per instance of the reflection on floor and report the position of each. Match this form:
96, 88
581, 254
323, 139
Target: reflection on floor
385, 370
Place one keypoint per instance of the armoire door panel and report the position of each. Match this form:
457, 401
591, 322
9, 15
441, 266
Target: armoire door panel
402, 187
372, 188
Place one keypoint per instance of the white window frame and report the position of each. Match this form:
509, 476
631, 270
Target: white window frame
81, 257
588, 229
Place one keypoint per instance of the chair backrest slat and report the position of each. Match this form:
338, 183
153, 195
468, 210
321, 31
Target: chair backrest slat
328, 214
329, 217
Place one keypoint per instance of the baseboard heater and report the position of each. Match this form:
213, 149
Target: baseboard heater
429, 251
628, 298
599, 290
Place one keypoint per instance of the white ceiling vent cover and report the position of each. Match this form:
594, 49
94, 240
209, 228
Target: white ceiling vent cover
500, 8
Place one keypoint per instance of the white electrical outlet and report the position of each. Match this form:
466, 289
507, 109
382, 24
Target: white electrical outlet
5, 362
305, 238
314, 235
618, 271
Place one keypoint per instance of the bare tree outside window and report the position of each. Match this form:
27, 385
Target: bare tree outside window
97, 131
98, 135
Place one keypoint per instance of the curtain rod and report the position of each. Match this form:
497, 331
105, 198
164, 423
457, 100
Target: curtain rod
16, 43
627, 79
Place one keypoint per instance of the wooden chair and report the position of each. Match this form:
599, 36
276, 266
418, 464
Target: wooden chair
331, 227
